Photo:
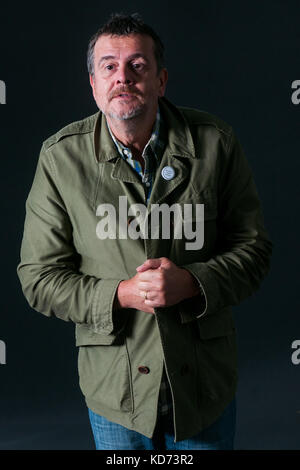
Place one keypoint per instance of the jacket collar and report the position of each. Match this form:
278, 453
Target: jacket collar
179, 138
179, 141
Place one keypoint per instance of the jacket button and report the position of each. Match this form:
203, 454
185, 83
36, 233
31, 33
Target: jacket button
143, 369
184, 369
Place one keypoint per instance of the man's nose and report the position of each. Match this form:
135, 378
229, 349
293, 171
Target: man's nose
124, 75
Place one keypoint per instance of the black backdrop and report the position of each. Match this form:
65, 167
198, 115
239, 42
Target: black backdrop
235, 59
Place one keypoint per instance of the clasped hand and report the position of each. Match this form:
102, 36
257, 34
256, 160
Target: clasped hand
158, 283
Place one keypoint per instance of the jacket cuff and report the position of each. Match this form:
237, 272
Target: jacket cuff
204, 303
102, 306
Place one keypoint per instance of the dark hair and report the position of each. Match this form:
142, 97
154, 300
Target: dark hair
120, 24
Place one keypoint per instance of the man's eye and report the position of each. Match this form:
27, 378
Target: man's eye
109, 67
137, 66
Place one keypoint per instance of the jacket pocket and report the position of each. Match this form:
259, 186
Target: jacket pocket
216, 350
197, 229
105, 376
208, 197
219, 324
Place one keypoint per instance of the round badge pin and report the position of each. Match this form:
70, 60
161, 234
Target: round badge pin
168, 173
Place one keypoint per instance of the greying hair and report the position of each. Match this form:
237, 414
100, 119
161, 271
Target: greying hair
120, 24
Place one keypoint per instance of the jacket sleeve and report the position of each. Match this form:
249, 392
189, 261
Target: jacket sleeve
243, 248
49, 265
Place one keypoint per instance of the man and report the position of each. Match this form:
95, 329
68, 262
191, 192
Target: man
115, 202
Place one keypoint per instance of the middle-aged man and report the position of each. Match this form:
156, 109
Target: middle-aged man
143, 227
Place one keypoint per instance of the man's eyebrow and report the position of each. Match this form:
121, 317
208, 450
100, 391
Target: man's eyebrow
106, 57
136, 55
132, 56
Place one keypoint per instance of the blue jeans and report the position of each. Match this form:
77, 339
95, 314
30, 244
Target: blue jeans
113, 436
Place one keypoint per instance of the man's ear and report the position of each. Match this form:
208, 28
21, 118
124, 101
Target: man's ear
163, 78
92, 83
91, 80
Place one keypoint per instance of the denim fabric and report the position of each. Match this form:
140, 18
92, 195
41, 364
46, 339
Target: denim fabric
113, 436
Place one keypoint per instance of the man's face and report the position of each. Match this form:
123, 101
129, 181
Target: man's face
125, 81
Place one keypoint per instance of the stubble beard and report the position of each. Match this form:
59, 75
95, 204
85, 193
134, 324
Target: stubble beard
126, 115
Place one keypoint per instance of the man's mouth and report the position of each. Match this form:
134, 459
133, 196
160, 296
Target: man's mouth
125, 95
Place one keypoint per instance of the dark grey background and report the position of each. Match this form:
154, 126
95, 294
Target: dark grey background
236, 59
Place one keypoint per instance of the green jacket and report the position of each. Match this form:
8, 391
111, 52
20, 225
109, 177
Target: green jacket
67, 271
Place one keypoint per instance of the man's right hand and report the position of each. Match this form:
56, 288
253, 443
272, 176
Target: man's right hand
128, 295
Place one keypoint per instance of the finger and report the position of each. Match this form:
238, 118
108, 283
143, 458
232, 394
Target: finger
151, 296
143, 294
149, 280
151, 275
144, 286
149, 264
152, 303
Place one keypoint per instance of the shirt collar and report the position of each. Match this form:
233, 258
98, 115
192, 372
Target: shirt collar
154, 142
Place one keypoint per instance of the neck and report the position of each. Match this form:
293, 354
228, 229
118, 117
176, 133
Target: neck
133, 133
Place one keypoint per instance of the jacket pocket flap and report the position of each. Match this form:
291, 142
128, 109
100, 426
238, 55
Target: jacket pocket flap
85, 337
208, 198
214, 326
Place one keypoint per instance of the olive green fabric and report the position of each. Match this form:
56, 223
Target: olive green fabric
68, 272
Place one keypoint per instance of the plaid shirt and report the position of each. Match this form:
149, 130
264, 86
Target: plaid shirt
154, 147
